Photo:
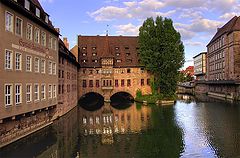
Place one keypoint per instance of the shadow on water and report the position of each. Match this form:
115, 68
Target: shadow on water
121, 100
91, 101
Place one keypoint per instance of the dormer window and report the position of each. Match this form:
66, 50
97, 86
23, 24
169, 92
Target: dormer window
117, 54
46, 19
94, 54
119, 60
38, 12
84, 48
126, 48
27, 4
93, 48
116, 48
84, 54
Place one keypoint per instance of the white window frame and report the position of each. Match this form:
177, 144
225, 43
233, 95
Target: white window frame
18, 63
36, 93
54, 44
21, 29
30, 64
43, 91
29, 37
18, 94
28, 93
43, 66
50, 91
9, 24
8, 95
8, 60
54, 91
49, 67
50, 42
37, 12
46, 18
36, 35
43, 38
36, 65
27, 4
54, 68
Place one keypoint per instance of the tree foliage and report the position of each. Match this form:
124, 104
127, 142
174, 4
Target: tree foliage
162, 52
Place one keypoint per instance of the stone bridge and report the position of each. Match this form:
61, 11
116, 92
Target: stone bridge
108, 85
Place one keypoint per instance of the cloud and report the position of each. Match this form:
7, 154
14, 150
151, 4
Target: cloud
131, 10
128, 29
191, 43
109, 13
228, 16
185, 3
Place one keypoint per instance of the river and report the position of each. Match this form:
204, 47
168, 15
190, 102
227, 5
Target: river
192, 127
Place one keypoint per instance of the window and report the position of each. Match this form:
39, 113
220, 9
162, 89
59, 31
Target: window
37, 35
84, 83
43, 92
54, 91
43, 38
122, 83
18, 61
128, 70
50, 67
29, 31
28, 63
128, 82
94, 54
97, 83
119, 60
9, 21
18, 96
50, 91
28, 93
37, 12
54, 68
54, 44
8, 59
142, 82
90, 83
46, 19
43, 63
18, 26
36, 92
116, 83
50, 42
27, 4
36, 64
148, 82
8, 95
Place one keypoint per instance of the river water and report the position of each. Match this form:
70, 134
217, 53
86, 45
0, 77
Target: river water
192, 127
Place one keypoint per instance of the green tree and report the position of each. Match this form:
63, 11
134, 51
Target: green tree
162, 53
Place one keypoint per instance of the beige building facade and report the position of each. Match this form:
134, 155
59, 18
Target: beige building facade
28, 69
200, 66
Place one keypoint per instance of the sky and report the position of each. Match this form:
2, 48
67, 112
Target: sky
196, 20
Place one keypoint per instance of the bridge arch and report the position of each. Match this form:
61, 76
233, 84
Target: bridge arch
121, 100
91, 101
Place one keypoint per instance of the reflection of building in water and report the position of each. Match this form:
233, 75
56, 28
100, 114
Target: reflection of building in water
108, 121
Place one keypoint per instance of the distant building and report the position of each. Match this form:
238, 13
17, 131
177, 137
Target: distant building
189, 71
110, 64
200, 63
223, 52
67, 79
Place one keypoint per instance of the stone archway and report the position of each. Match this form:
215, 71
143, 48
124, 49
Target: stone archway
91, 101
121, 100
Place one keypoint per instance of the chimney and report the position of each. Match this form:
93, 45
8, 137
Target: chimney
65, 41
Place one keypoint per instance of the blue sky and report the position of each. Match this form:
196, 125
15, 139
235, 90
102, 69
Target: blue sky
196, 20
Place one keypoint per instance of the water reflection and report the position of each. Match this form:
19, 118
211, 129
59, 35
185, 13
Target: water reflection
202, 127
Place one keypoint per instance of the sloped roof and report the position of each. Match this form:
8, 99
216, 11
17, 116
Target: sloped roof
232, 25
